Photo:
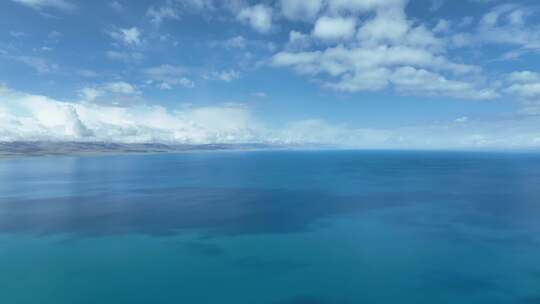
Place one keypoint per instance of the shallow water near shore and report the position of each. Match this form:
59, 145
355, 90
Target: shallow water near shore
276, 227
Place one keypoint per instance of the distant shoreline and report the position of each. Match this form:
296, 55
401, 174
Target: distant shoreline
23, 149
41, 148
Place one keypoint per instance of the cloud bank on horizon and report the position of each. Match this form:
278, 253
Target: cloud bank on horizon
355, 73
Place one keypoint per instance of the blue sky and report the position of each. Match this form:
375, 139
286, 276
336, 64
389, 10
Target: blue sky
361, 73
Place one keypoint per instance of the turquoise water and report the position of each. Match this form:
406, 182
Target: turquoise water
271, 227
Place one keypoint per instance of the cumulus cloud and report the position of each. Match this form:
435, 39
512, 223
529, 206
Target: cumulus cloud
167, 76
301, 9
128, 36
26, 117
259, 17
33, 117
362, 6
298, 41
40, 65
226, 75
159, 14
117, 6
371, 45
507, 24
525, 87
524, 84
111, 92
238, 42
124, 56
334, 28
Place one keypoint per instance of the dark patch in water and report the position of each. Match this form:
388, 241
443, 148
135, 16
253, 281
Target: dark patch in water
276, 265
169, 211
310, 300
462, 283
529, 300
204, 249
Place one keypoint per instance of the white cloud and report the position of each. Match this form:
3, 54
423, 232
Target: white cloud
39, 64
258, 16
525, 87
389, 52
16, 34
87, 73
298, 41
389, 25
168, 76
121, 87
158, 14
236, 42
117, 6
109, 92
506, 24
26, 116
259, 94
41, 4
334, 28
525, 90
226, 75
32, 117
524, 77
360, 6
463, 119
129, 36
125, 56
90, 94
198, 5
301, 9
442, 26
54, 35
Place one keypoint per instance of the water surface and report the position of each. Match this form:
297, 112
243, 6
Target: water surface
271, 227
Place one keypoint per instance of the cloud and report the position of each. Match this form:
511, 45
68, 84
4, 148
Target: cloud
167, 76
226, 75
525, 84
463, 119
121, 87
197, 5
112, 92
259, 17
125, 56
117, 6
386, 50
334, 28
508, 24
16, 34
238, 42
129, 36
362, 6
41, 4
25, 116
524, 77
158, 14
301, 9
87, 73
298, 41
259, 94
389, 25
39, 64
90, 94
33, 117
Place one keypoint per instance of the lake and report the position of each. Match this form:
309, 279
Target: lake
271, 227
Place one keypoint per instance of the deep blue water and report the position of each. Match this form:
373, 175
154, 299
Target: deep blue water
271, 228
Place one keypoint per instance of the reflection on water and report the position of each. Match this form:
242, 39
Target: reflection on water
271, 227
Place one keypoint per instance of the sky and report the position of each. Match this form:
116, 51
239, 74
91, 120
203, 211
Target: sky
416, 74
